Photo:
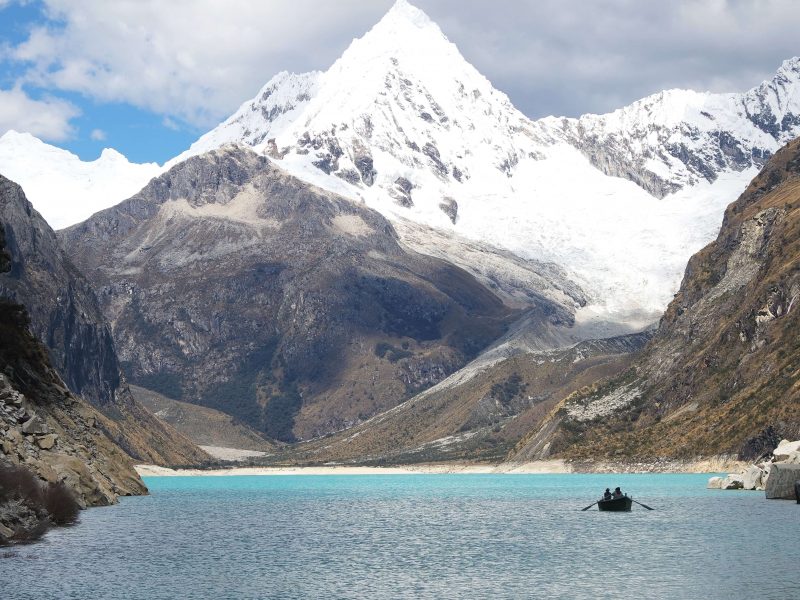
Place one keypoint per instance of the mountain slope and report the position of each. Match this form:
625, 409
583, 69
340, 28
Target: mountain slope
477, 414
231, 284
722, 374
65, 317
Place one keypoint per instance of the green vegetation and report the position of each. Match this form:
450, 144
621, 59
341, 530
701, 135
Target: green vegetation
391, 353
508, 390
280, 412
163, 382
239, 395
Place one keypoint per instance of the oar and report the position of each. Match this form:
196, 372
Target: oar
645, 505
590, 506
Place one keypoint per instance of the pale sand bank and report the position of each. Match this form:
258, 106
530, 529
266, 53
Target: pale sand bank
706, 465
548, 466
232, 454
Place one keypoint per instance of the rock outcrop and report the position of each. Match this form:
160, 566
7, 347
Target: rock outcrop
776, 475
65, 317
782, 480
721, 376
231, 284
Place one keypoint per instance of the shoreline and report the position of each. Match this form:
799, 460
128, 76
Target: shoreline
542, 467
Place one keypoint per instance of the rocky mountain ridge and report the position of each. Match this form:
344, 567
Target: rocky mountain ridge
614, 204
230, 283
65, 317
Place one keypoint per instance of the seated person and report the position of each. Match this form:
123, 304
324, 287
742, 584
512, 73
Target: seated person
607, 494
617, 493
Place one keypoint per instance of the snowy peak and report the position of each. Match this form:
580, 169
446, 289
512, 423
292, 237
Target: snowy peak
401, 109
774, 106
62, 187
276, 106
404, 12
680, 138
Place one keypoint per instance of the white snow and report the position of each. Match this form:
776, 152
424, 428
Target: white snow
63, 188
404, 97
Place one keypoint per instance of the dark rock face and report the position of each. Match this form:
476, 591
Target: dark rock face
760, 445
362, 158
450, 208
402, 192
64, 312
231, 284
66, 318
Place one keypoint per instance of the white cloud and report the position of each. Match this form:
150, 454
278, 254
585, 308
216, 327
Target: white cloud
48, 118
97, 135
195, 61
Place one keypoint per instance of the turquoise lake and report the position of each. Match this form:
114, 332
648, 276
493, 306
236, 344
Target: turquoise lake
417, 536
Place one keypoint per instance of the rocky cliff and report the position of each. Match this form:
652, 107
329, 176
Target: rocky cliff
65, 317
48, 430
722, 374
232, 284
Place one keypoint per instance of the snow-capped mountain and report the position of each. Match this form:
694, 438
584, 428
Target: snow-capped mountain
402, 122
62, 187
405, 123
678, 138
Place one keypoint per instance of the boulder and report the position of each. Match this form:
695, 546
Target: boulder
751, 478
46, 442
7, 447
792, 459
732, 482
785, 449
5, 533
715, 483
782, 478
34, 425
77, 476
15, 436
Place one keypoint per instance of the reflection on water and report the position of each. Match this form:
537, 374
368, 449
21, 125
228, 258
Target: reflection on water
418, 536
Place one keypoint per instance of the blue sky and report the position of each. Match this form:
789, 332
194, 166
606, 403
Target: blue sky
139, 134
147, 77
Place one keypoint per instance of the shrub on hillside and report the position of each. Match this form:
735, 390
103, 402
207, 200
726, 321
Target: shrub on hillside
32, 505
60, 504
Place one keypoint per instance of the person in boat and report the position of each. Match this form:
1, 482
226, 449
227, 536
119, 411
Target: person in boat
617, 493
607, 494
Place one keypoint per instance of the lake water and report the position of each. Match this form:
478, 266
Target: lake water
418, 536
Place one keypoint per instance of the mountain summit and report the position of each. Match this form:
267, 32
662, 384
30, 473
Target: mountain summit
403, 122
615, 203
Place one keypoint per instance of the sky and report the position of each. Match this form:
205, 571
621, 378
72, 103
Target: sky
148, 77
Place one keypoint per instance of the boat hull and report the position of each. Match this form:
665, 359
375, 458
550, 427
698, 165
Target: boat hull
616, 504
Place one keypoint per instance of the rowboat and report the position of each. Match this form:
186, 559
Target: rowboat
622, 504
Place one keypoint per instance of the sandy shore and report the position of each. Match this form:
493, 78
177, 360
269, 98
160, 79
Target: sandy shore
549, 466
708, 465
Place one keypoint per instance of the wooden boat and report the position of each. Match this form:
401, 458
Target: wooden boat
622, 504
